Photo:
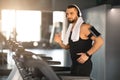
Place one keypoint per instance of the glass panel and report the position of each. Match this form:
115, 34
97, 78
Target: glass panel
59, 24
7, 22
28, 25
33, 26
22, 25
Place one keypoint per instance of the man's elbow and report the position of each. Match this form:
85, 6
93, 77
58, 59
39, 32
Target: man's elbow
101, 41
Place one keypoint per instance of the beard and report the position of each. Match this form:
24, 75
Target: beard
72, 20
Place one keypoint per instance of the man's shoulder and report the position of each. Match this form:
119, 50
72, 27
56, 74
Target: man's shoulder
87, 25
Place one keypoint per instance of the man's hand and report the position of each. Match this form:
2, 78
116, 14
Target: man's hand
83, 58
57, 38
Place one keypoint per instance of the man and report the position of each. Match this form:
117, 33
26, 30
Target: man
82, 39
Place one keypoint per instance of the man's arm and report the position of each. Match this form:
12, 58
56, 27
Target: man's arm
96, 37
98, 42
58, 40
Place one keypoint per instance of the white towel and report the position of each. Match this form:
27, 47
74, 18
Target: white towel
75, 32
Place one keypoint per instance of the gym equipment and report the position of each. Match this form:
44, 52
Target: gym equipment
31, 66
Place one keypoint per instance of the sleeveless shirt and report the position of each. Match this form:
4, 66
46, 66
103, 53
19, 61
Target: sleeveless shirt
82, 45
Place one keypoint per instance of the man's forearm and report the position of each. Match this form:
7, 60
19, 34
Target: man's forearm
63, 46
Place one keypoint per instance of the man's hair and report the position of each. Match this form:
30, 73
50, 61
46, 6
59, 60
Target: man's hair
74, 6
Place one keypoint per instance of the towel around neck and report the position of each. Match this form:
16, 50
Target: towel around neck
75, 31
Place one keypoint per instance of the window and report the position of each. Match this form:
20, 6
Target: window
26, 24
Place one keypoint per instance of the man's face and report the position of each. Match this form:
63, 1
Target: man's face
72, 15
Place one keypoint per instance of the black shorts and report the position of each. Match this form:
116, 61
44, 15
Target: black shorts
82, 69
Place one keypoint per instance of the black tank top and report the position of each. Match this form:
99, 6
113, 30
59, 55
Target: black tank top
82, 45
